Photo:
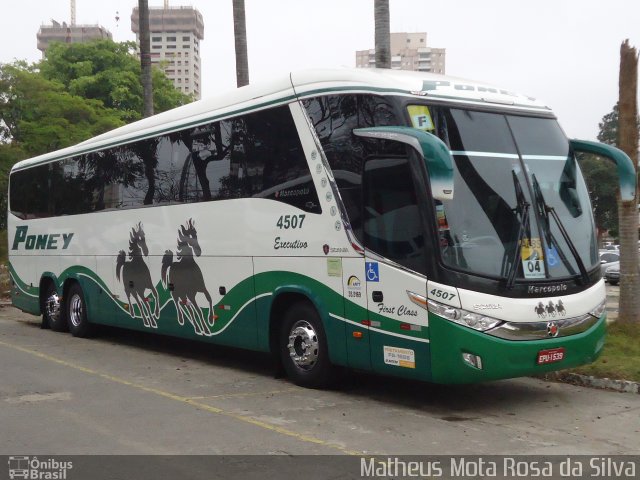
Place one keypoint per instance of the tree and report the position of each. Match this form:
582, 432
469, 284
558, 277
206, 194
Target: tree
37, 115
609, 127
110, 72
382, 33
240, 37
145, 58
602, 183
628, 211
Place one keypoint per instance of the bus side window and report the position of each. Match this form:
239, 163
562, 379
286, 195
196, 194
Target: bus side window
206, 154
276, 164
334, 117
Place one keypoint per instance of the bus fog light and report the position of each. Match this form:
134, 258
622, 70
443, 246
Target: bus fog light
474, 360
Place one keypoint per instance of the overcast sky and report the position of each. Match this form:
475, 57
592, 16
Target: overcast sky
563, 52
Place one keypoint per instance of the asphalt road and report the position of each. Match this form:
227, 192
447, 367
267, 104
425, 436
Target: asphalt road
134, 393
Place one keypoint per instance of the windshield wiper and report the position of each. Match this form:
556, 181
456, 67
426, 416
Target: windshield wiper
544, 211
522, 207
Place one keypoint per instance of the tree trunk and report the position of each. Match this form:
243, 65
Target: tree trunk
628, 211
383, 34
145, 58
240, 36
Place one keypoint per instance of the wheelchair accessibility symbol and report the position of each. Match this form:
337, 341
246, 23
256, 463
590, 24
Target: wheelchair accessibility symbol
552, 256
371, 272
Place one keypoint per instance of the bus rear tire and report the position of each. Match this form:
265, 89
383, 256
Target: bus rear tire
303, 347
76, 310
52, 314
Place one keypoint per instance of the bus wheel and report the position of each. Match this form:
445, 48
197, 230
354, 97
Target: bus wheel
76, 310
303, 347
52, 311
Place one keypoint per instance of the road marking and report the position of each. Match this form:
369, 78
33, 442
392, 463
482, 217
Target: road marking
245, 394
39, 397
186, 400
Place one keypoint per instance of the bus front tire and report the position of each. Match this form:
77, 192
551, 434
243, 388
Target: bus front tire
76, 310
303, 347
52, 310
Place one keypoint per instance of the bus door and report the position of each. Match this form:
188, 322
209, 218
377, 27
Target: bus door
394, 240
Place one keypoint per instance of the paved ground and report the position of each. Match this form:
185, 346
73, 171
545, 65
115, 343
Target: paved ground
613, 298
127, 392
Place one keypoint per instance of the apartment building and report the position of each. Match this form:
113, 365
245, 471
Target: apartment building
176, 33
409, 51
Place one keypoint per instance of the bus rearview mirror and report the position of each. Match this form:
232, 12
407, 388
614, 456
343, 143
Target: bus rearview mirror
626, 172
431, 149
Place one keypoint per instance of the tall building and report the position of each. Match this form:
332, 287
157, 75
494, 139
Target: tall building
409, 51
69, 34
175, 34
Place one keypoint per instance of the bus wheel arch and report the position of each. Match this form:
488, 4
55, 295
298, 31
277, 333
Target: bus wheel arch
51, 305
298, 340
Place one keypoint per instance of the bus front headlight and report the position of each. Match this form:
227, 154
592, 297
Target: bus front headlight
463, 317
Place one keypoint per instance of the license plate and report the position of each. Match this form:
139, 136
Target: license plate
550, 356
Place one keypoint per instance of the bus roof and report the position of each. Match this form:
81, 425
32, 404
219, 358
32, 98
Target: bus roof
304, 84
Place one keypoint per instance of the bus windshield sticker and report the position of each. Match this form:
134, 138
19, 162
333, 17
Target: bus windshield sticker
532, 258
420, 117
334, 267
441, 217
553, 258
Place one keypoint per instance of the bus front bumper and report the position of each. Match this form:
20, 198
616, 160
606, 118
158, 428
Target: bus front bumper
498, 358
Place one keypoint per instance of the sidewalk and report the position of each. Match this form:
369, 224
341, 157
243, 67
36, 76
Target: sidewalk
613, 300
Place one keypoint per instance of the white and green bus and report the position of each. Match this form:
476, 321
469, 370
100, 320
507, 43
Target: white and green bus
408, 224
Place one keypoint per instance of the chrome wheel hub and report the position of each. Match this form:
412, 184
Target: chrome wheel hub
75, 310
52, 307
303, 345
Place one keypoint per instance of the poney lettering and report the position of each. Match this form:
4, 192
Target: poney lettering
51, 241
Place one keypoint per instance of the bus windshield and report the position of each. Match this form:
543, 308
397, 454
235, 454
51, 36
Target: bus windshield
517, 187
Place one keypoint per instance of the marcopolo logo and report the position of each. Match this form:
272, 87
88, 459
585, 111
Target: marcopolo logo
47, 241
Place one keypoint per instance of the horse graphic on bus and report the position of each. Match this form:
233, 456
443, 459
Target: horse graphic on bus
136, 278
184, 280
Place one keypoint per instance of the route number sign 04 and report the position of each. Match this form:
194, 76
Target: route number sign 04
532, 258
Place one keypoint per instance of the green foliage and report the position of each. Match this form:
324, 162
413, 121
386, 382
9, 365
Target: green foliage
620, 358
37, 115
609, 127
110, 72
601, 176
78, 91
602, 182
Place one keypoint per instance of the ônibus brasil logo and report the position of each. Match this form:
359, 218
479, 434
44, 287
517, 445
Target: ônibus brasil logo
32, 468
46, 241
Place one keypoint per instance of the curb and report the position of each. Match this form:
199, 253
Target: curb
622, 386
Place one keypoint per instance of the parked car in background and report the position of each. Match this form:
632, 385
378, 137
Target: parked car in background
612, 273
608, 257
